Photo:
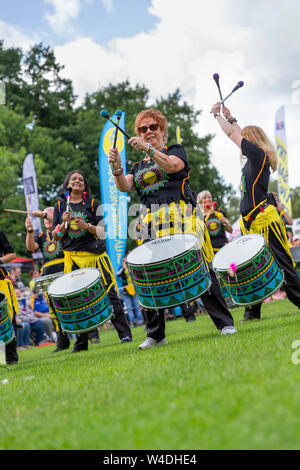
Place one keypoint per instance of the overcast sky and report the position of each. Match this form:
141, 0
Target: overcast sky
169, 44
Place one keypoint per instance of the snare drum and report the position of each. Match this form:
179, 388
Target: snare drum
257, 275
80, 301
6, 329
168, 271
41, 284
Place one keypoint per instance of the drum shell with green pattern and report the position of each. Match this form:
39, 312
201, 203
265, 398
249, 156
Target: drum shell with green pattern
82, 310
170, 282
254, 280
7, 333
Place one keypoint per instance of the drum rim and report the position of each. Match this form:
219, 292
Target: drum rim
79, 290
242, 264
159, 262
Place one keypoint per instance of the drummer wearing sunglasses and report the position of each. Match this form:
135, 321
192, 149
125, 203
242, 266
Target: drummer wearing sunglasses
167, 207
79, 228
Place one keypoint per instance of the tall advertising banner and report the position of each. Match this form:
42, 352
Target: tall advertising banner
31, 196
282, 171
114, 203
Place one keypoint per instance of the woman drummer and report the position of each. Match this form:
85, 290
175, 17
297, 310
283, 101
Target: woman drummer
7, 254
83, 247
216, 222
168, 207
258, 214
53, 262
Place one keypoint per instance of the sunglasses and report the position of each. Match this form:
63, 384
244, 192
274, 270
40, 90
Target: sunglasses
143, 129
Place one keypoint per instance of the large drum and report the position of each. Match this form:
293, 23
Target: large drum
80, 300
6, 329
295, 252
168, 271
41, 284
257, 274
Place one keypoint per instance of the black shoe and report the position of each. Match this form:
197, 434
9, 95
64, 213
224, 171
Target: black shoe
95, 340
126, 339
190, 319
58, 350
11, 363
250, 317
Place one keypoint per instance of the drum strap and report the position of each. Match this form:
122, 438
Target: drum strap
83, 259
265, 221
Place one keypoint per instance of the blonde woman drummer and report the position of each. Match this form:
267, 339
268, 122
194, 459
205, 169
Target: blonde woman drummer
53, 262
258, 214
168, 207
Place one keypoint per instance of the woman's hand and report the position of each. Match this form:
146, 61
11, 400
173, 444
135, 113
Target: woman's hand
114, 157
226, 112
82, 224
216, 108
28, 224
66, 217
38, 213
138, 144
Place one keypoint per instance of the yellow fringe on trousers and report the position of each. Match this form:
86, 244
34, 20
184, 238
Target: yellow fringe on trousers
12, 302
266, 221
172, 219
83, 259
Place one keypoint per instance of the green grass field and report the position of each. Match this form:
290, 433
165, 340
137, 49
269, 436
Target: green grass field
202, 391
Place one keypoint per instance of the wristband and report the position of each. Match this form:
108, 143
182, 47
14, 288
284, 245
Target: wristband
118, 172
45, 215
29, 231
231, 120
60, 234
217, 114
151, 149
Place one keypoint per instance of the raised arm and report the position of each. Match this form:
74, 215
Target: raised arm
232, 130
123, 182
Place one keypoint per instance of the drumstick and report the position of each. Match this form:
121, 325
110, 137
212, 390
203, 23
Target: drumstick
14, 210
28, 213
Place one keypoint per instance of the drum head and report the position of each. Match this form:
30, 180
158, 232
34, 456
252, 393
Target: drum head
238, 251
162, 249
74, 281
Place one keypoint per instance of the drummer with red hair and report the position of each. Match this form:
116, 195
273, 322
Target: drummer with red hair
258, 208
168, 206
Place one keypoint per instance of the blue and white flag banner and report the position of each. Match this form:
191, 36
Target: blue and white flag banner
114, 203
31, 196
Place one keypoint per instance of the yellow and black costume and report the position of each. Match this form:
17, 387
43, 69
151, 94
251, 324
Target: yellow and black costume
168, 206
7, 288
53, 262
84, 250
260, 216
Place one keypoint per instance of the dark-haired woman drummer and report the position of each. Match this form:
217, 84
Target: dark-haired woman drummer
83, 247
258, 215
53, 262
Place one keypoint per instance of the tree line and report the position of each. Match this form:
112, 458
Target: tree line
40, 116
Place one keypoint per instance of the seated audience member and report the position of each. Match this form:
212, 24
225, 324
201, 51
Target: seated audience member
41, 310
26, 315
23, 334
15, 275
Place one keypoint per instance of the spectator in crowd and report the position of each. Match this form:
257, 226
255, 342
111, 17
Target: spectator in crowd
33, 274
26, 315
23, 334
16, 274
41, 310
128, 296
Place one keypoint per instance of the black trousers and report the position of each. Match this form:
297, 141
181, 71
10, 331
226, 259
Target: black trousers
186, 310
213, 301
118, 319
11, 354
292, 280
